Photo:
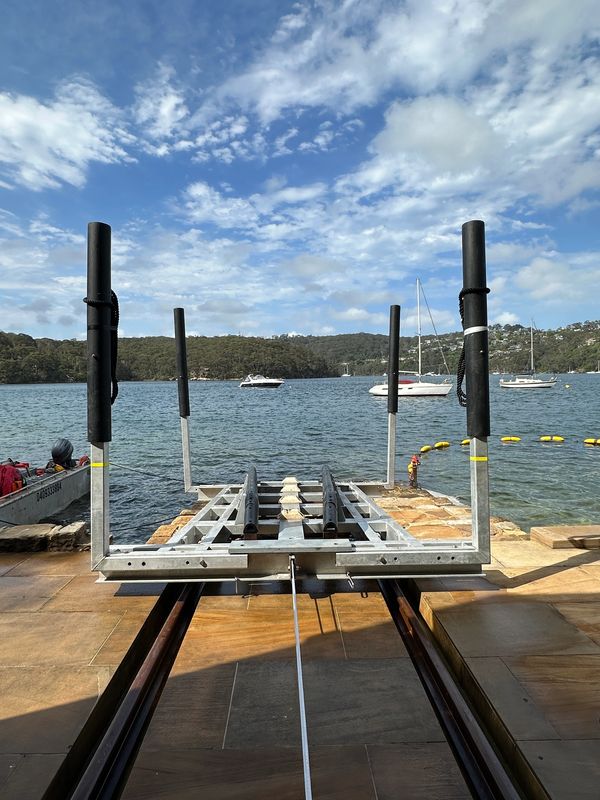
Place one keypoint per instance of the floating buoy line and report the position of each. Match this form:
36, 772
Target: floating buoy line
545, 439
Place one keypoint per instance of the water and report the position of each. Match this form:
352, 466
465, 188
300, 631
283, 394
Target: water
307, 423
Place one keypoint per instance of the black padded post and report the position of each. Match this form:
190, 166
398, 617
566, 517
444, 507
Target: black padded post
99, 332
394, 351
182, 370
475, 327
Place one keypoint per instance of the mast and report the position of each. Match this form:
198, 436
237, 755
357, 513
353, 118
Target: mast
419, 324
531, 345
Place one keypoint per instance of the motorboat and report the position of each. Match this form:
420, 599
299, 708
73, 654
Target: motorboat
411, 387
528, 380
260, 382
37, 494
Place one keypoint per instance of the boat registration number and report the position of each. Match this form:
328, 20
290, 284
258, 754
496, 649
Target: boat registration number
47, 491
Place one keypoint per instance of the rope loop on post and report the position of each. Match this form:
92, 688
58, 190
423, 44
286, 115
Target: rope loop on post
113, 304
460, 370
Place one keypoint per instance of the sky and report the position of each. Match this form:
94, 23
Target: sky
292, 167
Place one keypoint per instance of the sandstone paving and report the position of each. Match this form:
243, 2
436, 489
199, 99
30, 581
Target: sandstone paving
57, 654
28, 594
529, 642
526, 635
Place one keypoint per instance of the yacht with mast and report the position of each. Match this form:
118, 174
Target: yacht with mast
528, 380
415, 387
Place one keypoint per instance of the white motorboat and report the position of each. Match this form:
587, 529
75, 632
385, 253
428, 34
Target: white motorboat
528, 380
408, 387
260, 382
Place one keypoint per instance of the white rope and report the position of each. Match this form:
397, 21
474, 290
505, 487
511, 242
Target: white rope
303, 729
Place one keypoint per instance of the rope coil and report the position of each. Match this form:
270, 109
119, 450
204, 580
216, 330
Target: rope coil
113, 304
460, 370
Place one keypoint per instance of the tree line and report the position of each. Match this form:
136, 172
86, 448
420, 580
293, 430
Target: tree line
24, 359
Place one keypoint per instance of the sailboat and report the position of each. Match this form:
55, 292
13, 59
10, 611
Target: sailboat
528, 380
594, 371
346, 374
410, 387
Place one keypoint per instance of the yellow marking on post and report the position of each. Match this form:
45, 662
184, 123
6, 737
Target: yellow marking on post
479, 458
98, 464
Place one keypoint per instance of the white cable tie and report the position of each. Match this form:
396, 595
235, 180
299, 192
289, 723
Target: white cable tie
475, 329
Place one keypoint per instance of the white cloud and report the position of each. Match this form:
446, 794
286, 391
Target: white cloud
504, 318
347, 55
558, 282
204, 204
45, 144
160, 106
360, 315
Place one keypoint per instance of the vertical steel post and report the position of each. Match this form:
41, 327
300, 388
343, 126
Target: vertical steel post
184, 396
392, 394
477, 377
99, 382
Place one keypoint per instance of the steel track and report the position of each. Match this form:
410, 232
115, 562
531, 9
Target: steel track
485, 775
98, 764
100, 760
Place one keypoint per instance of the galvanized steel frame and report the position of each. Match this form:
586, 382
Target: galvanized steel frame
368, 542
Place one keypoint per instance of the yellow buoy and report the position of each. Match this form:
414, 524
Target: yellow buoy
510, 439
597, 441
589, 441
426, 448
466, 441
558, 438
440, 445
545, 438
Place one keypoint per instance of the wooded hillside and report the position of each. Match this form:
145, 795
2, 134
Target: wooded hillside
27, 360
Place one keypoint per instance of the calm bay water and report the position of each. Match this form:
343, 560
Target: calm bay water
296, 429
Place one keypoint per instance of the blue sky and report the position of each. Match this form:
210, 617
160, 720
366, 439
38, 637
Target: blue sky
292, 167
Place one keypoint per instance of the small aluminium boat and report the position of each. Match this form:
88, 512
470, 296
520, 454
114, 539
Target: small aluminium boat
30, 495
260, 382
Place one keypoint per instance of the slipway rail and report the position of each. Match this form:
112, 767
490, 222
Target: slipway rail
485, 774
99, 762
